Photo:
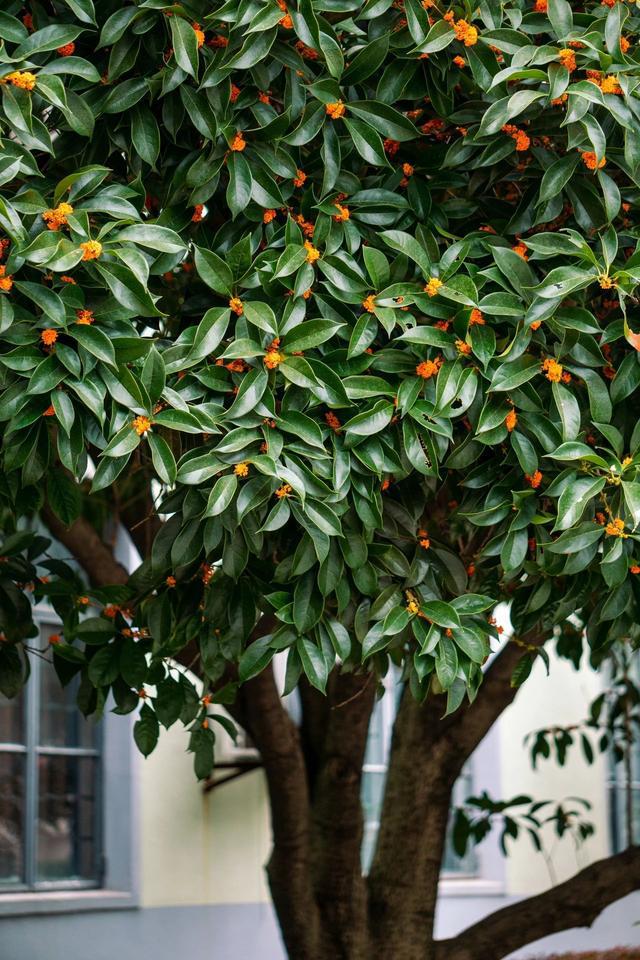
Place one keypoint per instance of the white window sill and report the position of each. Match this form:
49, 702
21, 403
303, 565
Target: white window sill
470, 887
64, 901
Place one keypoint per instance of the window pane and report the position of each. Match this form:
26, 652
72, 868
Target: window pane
372, 792
375, 753
67, 821
12, 769
61, 723
12, 719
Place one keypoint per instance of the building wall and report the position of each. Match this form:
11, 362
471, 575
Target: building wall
197, 847
560, 698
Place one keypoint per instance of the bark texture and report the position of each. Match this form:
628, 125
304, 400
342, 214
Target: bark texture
326, 909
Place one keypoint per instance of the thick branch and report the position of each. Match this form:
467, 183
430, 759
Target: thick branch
468, 726
276, 737
575, 903
339, 886
87, 547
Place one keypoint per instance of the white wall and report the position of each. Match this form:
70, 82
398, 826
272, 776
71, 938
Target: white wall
561, 698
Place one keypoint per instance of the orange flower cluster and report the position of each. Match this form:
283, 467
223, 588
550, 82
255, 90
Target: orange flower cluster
511, 420
141, 425
534, 480
91, 249
611, 84
307, 52
343, 213
552, 370
521, 137
170, 581
615, 528
460, 62
299, 179
199, 34
465, 33
84, 317
423, 539
66, 50
369, 303
49, 412
236, 305
332, 421
268, 216
591, 161
429, 368
391, 147
540, 6
238, 143
568, 59
198, 214
24, 79
432, 286
57, 217
434, 128
335, 110
284, 491
305, 225
241, 469
313, 253
521, 250
476, 319
218, 41
6, 279
273, 358
463, 348
235, 93
49, 336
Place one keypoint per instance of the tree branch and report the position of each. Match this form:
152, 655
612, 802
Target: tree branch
575, 903
277, 738
465, 729
339, 886
88, 548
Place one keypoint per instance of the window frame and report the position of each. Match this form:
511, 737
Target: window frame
488, 875
117, 879
31, 749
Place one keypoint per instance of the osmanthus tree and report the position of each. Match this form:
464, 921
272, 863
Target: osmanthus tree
331, 306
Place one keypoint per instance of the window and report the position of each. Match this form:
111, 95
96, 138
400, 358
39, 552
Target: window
624, 801
374, 773
50, 771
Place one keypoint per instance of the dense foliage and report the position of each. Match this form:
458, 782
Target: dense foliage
338, 301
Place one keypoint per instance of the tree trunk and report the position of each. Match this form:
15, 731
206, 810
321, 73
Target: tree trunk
403, 884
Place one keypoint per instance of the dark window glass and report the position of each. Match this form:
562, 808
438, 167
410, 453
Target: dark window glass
61, 723
50, 818
67, 824
12, 804
12, 720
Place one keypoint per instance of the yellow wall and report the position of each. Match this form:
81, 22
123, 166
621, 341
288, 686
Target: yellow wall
561, 698
198, 848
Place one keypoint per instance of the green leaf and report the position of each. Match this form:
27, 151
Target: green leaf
96, 342
146, 731
221, 495
185, 44
313, 663
64, 496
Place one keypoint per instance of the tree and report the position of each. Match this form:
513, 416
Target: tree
331, 307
